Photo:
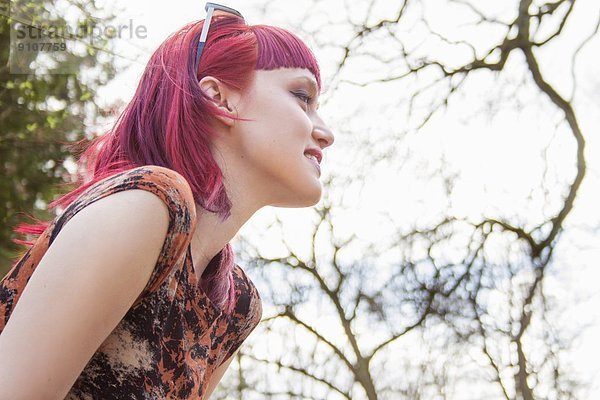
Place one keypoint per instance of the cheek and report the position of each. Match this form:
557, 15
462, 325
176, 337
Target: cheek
286, 120
280, 128
293, 119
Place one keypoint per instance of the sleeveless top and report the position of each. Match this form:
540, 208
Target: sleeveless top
173, 337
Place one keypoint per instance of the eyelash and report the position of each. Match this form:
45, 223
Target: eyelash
306, 99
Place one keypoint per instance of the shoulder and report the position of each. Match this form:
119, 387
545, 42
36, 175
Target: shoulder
166, 183
169, 186
246, 314
141, 204
248, 305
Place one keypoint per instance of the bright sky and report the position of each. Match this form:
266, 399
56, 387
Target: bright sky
494, 160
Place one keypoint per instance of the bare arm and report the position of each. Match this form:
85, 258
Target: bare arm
83, 286
217, 375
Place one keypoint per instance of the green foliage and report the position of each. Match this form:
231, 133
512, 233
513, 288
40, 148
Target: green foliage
41, 114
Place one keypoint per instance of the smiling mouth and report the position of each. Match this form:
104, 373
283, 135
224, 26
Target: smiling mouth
313, 161
312, 157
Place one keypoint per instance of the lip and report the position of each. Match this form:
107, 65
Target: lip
316, 164
315, 152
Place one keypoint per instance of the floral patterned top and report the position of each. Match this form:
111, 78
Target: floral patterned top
173, 337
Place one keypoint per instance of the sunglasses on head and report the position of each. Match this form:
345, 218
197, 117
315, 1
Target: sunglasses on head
212, 9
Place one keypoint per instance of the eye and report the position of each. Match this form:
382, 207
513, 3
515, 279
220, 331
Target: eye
303, 96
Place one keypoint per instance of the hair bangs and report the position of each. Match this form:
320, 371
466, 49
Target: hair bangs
279, 48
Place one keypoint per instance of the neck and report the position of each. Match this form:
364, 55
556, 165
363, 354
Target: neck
212, 234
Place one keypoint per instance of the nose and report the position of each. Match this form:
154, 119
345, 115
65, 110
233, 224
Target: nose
321, 132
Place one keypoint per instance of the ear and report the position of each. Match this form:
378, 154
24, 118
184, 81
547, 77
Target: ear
221, 96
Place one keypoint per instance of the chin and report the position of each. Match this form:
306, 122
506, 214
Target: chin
312, 202
312, 197
301, 200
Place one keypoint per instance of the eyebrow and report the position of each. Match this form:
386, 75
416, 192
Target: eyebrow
311, 82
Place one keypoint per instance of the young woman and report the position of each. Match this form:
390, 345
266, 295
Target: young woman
132, 291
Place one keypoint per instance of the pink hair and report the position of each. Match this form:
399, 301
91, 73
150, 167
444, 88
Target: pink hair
167, 123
